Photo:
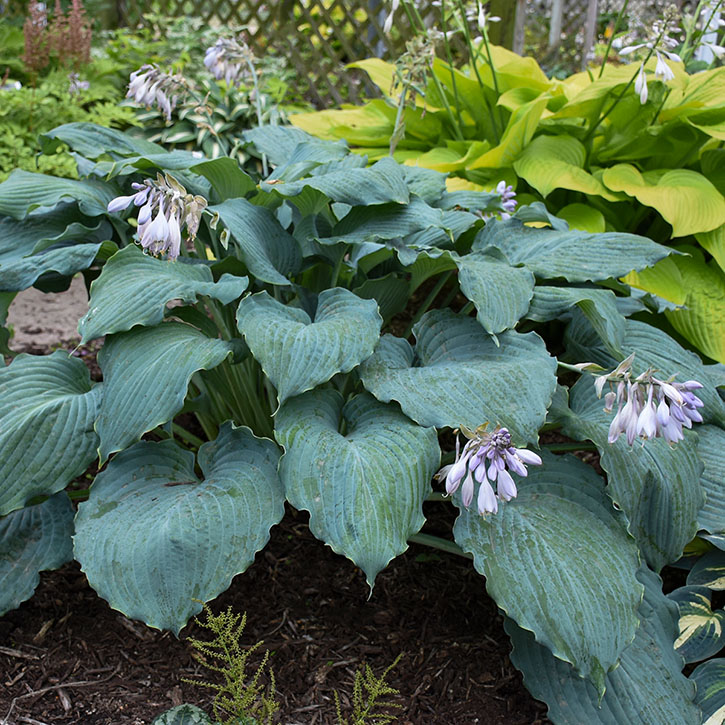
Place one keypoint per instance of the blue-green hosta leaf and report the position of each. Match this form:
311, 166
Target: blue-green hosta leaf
657, 486
33, 539
574, 255
146, 373
457, 375
183, 715
279, 143
24, 191
365, 488
597, 305
298, 353
134, 287
91, 140
652, 348
647, 688
47, 409
710, 680
380, 183
501, 293
709, 571
269, 252
701, 629
226, 177
583, 606
711, 449
152, 537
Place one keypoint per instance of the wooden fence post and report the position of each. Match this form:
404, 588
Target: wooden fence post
590, 28
557, 10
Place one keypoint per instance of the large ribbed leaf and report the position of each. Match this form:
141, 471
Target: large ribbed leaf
152, 537
711, 450
381, 183
581, 605
134, 287
24, 191
146, 373
226, 177
655, 484
574, 255
47, 409
700, 629
91, 140
269, 252
33, 539
364, 488
646, 689
653, 348
500, 292
709, 571
457, 375
298, 353
597, 305
710, 680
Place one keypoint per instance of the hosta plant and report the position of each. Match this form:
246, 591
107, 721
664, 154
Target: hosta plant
330, 322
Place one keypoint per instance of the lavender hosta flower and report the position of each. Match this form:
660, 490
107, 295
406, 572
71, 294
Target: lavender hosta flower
487, 458
508, 199
640, 85
165, 207
648, 407
149, 85
230, 59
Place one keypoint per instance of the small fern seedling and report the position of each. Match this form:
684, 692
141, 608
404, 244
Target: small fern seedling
238, 700
369, 698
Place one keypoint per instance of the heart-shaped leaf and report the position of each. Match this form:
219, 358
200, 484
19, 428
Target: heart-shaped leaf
364, 488
33, 539
298, 353
457, 375
648, 687
561, 507
152, 537
47, 409
146, 373
134, 287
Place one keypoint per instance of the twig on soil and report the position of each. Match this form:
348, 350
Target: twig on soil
43, 690
17, 653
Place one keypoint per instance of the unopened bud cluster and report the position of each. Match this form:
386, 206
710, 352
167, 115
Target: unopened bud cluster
648, 407
165, 207
486, 460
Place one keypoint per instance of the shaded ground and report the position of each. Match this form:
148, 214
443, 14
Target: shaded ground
66, 657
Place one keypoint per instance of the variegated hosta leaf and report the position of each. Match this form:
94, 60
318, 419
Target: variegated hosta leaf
500, 292
574, 255
709, 571
134, 287
298, 353
656, 485
652, 348
47, 408
583, 606
146, 373
269, 252
152, 537
647, 688
457, 375
710, 680
364, 487
711, 450
33, 539
701, 629
597, 305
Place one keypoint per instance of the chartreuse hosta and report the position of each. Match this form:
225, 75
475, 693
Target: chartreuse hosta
319, 338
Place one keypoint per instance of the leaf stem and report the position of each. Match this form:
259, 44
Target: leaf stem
435, 542
611, 37
428, 301
186, 435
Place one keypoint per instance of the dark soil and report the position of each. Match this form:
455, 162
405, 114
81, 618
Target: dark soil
66, 657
